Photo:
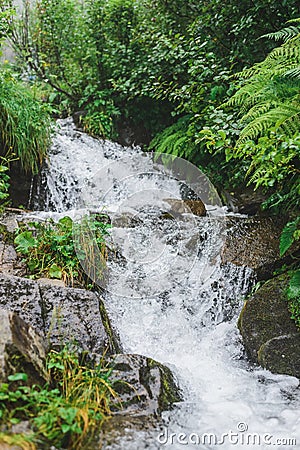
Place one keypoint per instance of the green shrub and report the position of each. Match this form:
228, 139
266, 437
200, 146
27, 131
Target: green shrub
73, 403
50, 250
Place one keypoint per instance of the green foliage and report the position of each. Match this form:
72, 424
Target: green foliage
294, 297
50, 251
269, 99
24, 123
100, 111
268, 141
61, 413
174, 140
289, 235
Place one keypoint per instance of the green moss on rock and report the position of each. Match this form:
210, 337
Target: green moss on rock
265, 322
281, 355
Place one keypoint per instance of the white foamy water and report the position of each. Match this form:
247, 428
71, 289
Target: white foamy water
169, 298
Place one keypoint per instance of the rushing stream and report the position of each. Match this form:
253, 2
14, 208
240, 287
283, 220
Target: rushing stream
169, 298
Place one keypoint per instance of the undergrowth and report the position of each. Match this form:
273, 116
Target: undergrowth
74, 402
54, 249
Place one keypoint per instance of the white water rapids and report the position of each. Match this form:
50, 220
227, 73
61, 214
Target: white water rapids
169, 299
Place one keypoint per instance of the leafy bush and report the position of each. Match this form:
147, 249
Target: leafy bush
73, 403
50, 250
24, 123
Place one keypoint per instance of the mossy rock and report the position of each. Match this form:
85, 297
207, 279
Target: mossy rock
265, 317
144, 386
281, 355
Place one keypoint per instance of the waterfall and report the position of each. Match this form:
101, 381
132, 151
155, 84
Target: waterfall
169, 296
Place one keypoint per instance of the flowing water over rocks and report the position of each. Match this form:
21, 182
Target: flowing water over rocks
169, 297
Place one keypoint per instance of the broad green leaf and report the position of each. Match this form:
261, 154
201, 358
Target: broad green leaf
55, 271
25, 241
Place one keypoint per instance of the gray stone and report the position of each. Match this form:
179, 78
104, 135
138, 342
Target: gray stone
21, 349
61, 314
264, 318
144, 386
73, 315
22, 296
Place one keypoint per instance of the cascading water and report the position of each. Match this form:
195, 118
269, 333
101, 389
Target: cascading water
170, 299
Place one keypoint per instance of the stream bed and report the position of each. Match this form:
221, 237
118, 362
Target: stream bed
168, 296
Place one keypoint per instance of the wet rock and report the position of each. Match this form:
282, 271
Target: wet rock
10, 263
113, 431
178, 207
50, 282
22, 296
245, 200
60, 314
281, 355
21, 349
144, 386
264, 318
254, 243
73, 315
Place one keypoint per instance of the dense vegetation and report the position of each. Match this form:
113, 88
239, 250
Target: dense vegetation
64, 411
214, 82
168, 69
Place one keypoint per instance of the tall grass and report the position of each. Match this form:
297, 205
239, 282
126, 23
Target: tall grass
25, 123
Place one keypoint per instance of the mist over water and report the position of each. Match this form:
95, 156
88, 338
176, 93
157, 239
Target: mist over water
168, 297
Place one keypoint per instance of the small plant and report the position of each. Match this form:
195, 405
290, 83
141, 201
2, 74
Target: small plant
61, 413
50, 250
290, 234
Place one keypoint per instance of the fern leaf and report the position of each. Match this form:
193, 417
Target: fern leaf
285, 34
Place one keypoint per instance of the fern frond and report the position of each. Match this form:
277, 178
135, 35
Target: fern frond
285, 34
293, 72
283, 118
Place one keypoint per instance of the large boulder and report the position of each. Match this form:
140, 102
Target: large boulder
254, 243
270, 336
21, 349
61, 314
144, 387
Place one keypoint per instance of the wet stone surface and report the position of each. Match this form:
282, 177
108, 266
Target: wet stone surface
61, 314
